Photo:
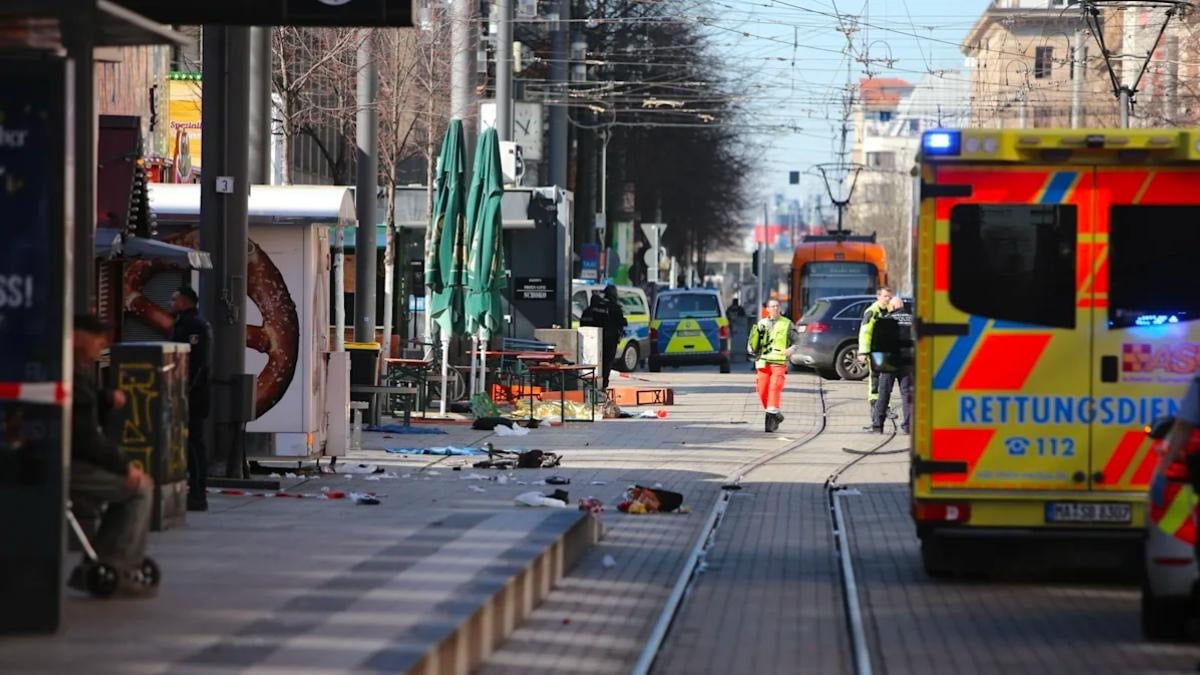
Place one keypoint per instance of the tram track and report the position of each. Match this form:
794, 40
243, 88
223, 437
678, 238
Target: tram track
706, 539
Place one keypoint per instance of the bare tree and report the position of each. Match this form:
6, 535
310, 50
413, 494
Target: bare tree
305, 62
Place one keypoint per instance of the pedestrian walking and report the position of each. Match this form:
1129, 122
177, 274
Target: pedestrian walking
605, 313
892, 356
101, 478
771, 343
193, 329
877, 309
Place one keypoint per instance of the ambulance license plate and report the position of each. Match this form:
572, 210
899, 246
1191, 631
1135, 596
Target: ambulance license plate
1088, 512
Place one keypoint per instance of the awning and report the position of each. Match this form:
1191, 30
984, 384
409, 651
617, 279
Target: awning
110, 244
269, 204
106, 23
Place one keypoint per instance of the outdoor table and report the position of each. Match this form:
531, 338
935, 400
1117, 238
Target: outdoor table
415, 370
378, 390
550, 370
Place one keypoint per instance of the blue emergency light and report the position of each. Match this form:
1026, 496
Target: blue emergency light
943, 143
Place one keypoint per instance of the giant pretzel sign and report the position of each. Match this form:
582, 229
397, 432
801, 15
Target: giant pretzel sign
278, 337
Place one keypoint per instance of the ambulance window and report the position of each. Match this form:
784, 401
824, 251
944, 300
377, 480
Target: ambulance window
1014, 262
1152, 265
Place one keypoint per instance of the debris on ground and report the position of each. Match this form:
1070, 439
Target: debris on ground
591, 505
659, 414
558, 480
609, 562
476, 488
514, 430
441, 451
367, 498
539, 499
518, 459
403, 429
639, 500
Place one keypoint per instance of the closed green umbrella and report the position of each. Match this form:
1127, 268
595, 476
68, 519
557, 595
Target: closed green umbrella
485, 261
445, 245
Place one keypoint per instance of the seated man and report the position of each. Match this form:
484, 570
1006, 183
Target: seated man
100, 475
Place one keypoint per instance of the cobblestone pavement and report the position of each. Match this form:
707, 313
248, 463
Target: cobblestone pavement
919, 625
770, 600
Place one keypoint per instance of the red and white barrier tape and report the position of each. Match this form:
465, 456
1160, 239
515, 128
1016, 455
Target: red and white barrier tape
47, 393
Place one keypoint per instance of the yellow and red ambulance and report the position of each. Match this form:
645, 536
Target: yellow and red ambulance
1056, 317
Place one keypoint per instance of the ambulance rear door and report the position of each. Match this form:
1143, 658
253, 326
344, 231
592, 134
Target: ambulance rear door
1141, 281
1003, 341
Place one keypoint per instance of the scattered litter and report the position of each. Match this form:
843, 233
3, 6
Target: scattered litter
511, 431
657, 486
370, 477
599, 482
358, 469
289, 475
444, 451
476, 488
539, 499
518, 459
325, 489
558, 480
407, 475
538, 482
659, 414
402, 429
475, 476
433, 473
592, 505
332, 495
366, 498
560, 495
638, 499
503, 480
609, 562
274, 475
521, 482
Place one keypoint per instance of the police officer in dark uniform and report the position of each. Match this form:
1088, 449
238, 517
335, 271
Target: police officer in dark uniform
892, 355
193, 329
605, 313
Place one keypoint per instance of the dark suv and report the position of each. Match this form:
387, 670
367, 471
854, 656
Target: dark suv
828, 336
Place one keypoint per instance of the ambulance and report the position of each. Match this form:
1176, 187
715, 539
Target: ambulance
1056, 317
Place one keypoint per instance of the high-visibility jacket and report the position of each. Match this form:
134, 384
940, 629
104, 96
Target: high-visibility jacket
769, 341
870, 316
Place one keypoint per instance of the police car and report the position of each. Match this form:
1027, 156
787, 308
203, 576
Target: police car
689, 327
634, 346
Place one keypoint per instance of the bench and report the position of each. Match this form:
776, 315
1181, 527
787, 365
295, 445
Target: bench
376, 391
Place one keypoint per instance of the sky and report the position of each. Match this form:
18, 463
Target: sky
788, 65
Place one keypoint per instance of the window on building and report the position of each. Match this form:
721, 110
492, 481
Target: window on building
881, 160
1043, 61
1014, 262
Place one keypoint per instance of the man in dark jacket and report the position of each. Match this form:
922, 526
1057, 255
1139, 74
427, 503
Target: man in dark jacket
100, 475
605, 313
193, 329
892, 355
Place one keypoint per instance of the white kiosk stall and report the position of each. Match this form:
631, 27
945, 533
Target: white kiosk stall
303, 390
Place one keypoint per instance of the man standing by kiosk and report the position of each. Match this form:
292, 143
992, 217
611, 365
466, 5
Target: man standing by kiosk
193, 329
